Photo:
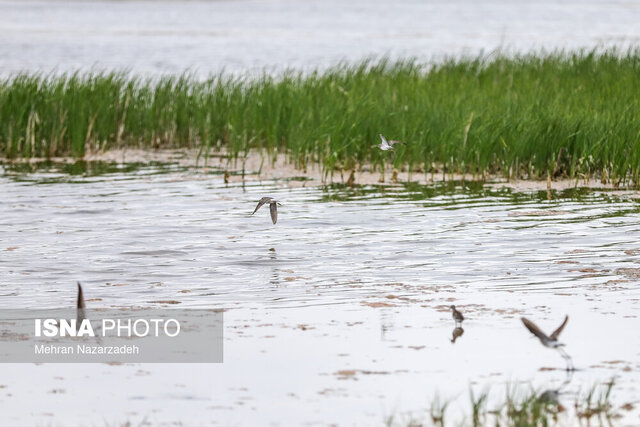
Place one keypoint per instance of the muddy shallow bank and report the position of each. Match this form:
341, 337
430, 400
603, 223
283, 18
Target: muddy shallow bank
343, 304
259, 166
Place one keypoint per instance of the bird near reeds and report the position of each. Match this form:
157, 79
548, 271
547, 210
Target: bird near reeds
387, 145
550, 341
549, 397
352, 179
273, 207
552, 396
457, 316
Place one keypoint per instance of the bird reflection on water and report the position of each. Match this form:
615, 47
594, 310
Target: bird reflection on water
551, 396
456, 333
275, 271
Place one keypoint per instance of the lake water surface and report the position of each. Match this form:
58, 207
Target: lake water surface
337, 314
156, 37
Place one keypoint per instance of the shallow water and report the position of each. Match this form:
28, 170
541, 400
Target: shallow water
244, 36
336, 314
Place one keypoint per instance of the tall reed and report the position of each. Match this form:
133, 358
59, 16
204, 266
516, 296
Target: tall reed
569, 114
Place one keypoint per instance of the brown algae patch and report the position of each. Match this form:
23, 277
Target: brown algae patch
630, 273
347, 374
377, 304
540, 212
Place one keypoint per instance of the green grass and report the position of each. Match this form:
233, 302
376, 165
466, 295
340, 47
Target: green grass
523, 408
572, 114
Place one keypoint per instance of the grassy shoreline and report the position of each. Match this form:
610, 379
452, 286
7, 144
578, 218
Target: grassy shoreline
526, 408
256, 167
564, 114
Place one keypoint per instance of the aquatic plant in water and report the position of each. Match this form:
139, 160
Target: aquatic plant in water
522, 408
570, 114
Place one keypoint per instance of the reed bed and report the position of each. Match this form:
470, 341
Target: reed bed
523, 408
572, 114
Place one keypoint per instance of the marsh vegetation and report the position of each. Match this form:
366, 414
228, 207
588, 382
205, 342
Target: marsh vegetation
570, 114
520, 406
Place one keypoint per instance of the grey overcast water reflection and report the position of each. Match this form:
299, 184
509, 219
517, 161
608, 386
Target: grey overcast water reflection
248, 36
347, 296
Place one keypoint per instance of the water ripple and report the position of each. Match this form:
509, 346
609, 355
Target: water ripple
179, 233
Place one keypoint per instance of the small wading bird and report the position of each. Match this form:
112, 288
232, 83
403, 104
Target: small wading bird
273, 207
387, 145
457, 316
550, 341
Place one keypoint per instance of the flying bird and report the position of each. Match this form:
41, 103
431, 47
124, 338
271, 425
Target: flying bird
457, 316
550, 341
387, 145
273, 207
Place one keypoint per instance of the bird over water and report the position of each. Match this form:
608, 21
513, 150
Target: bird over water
550, 341
273, 207
387, 145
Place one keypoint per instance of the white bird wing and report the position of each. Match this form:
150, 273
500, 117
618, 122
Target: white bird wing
384, 142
